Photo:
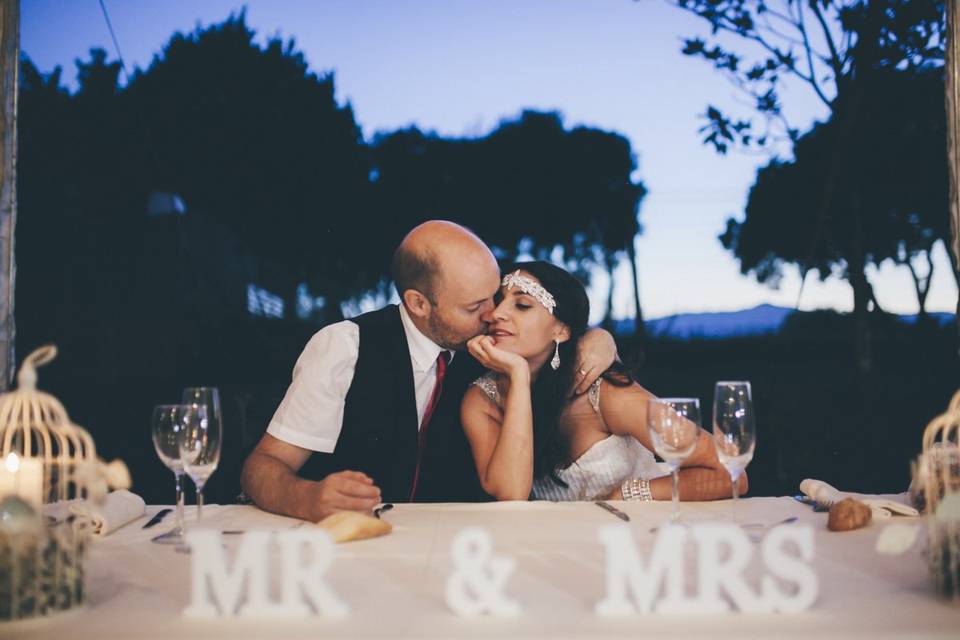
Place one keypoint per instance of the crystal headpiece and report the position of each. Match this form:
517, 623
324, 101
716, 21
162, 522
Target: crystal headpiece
531, 288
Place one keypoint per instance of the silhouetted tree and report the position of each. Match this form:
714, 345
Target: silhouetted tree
75, 228
253, 138
835, 48
530, 186
897, 172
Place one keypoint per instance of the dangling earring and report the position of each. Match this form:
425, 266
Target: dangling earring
555, 363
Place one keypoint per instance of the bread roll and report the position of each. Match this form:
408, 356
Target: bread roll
344, 526
848, 514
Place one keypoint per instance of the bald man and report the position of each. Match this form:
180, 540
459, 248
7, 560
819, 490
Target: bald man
372, 414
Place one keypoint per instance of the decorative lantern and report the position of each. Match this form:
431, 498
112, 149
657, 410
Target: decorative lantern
46, 462
936, 487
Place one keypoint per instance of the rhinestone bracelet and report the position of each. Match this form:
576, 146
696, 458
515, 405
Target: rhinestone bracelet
636, 489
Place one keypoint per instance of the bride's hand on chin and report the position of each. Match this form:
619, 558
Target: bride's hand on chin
485, 350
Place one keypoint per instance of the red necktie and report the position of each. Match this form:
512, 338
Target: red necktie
442, 361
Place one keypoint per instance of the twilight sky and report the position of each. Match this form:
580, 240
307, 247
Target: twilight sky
460, 66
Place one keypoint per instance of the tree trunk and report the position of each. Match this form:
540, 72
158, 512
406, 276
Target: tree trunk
638, 327
953, 131
9, 70
861, 291
608, 313
921, 284
873, 299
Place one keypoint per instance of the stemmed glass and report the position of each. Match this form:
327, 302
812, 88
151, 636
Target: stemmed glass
674, 425
734, 432
199, 447
208, 397
165, 428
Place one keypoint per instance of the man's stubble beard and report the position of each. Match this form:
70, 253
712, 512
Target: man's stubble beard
446, 337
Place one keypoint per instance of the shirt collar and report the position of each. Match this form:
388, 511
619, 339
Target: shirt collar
423, 350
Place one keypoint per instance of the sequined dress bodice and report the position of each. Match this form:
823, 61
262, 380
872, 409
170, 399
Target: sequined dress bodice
600, 469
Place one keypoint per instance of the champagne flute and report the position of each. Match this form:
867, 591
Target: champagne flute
199, 446
674, 425
165, 429
734, 433
208, 397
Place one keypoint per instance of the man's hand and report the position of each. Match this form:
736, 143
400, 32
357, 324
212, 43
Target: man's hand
270, 478
596, 351
344, 491
484, 349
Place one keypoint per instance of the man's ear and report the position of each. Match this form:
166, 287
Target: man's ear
562, 333
416, 303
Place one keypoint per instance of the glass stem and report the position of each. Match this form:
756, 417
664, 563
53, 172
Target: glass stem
179, 509
199, 500
675, 495
736, 492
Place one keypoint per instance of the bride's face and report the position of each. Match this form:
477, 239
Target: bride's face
521, 325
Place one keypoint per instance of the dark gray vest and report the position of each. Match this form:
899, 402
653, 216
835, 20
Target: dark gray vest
379, 434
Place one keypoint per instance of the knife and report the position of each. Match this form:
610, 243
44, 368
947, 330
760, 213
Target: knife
613, 510
160, 515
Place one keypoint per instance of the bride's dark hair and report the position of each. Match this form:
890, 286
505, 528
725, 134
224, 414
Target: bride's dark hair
551, 390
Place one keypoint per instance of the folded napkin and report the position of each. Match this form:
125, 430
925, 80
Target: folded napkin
880, 507
118, 508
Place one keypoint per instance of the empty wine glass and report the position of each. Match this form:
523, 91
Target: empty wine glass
734, 432
207, 396
165, 428
199, 446
210, 398
674, 425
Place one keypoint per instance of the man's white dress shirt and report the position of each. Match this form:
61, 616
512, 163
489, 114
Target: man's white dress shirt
311, 413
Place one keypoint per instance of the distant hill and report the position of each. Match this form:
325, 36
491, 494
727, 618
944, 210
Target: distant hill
760, 320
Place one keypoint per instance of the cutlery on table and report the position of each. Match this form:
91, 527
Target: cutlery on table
160, 515
761, 525
237, 532
756, 525
818, 505
612, 509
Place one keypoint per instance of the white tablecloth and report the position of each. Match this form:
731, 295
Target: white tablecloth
395, 585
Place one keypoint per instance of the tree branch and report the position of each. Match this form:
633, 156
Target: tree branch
835, 58
808, 49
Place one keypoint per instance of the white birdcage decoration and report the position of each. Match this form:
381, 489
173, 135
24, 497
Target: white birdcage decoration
46, 463
936, 485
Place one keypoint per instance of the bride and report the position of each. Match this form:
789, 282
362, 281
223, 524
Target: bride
529, 438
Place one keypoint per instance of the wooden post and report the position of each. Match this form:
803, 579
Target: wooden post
9, 76
953, 129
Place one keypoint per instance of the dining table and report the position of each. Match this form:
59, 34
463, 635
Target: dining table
395, 585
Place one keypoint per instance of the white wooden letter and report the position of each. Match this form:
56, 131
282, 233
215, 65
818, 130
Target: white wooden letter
478, 579
788, 567
215, 589
715, 573
626, 572
303, 580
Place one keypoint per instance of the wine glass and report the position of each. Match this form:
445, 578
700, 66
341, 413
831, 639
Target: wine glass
206, 396
199, 446
674, 425
734, 432
165, 428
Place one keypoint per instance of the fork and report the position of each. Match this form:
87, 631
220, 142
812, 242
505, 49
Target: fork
822, 504
755, 525
760, 525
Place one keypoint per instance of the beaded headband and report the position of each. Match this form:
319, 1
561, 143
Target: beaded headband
531, 288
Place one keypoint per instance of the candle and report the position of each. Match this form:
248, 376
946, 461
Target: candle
22, 477
8, 475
